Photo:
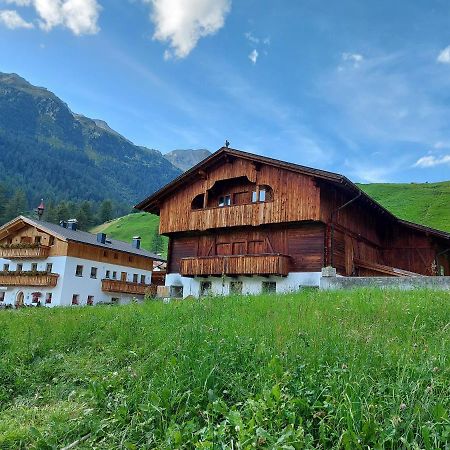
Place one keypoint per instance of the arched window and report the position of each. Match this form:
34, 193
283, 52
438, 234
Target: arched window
197, 203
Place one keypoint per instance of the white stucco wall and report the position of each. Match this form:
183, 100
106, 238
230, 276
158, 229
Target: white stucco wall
69, 284
250, 285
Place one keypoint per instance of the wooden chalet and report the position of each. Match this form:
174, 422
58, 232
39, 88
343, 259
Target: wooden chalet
237, 214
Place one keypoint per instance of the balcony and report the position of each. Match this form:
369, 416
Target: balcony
28, 279
32, 252
127, 287
235, 265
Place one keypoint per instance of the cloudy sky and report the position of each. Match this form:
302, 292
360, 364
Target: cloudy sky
357, 87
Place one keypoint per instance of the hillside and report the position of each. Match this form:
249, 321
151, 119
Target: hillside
52, 153
365, 369
424, 203
185, 159
139, 224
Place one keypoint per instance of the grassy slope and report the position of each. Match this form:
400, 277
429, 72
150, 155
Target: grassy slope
427, 203
139, 224
361, 369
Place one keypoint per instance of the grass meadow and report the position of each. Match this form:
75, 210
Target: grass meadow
352, 370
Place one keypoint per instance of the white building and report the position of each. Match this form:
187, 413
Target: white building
58, 265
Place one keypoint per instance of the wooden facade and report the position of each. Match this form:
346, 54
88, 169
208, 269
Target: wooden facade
266, 217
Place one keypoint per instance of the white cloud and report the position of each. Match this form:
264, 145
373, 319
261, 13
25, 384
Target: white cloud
182, 23
444, 56
12, 20
354, 58
79, 16
432, 161
252, 39
253, 56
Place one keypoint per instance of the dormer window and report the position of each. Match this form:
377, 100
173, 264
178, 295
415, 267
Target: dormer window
225, 200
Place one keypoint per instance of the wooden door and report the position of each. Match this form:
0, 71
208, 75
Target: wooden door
123, 276
19, 300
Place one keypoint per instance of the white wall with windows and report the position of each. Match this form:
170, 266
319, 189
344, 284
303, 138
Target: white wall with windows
80, 281
244, 285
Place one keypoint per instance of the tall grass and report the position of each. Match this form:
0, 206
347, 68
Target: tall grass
361, 369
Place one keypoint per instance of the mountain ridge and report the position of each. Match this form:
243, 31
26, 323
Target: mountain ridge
49, 151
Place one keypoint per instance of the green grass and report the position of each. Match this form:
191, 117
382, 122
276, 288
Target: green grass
139, 224
355, 370
426, 203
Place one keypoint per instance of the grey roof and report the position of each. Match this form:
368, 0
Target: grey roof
90, 238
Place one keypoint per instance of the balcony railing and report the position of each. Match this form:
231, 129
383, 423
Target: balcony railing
235, 265
28, 279
127, 287
40, 252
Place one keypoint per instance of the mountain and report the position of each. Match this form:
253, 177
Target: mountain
50, 152
185, 159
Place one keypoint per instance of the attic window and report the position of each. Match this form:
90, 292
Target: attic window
51, 240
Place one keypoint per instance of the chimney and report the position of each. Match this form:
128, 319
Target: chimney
101, 238
136, 242
72, 224
63, 223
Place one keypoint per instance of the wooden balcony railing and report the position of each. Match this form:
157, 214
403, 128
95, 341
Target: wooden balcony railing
127, 287
24, 279
235, 265
41, 252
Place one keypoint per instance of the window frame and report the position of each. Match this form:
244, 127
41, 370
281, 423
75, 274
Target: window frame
94, 272
79, 273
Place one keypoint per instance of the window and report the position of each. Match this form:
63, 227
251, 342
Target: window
254, 197
19, 267
205, 288
75, 299
107, 274
142, 279
79, 271
90, 300
225, 200
176, 292
114, 276
25, 240
441, 271
48, 298
93, 272
115, 301
236, 288
51, 240
37, 240
49, 267
123, 276
262, 195
2, 296
135, 278
269, 287
34, 267
5, 267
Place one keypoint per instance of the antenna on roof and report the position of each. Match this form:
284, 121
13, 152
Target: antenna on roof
227, 144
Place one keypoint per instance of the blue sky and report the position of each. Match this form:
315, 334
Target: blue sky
357, 87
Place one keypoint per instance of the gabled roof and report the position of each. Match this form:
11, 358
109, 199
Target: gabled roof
152, 203
66, 234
